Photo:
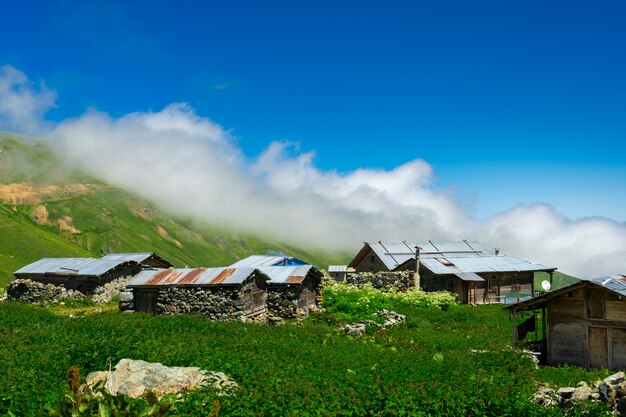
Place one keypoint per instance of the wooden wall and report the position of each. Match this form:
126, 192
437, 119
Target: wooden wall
371, 263
587, 327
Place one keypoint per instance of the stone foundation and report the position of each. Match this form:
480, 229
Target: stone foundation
283, 302
215, 303
401, 280
35, 292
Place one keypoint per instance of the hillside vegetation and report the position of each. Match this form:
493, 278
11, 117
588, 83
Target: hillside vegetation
50, 210
445, 360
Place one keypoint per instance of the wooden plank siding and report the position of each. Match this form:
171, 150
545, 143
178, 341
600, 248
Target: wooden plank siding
587, 327
568, 344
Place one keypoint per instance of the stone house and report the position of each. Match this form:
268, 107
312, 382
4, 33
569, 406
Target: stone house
465, 268
292, 291
226, 293
583, 324
220, 293
82, 274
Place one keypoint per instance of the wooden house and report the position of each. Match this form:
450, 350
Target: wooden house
584, 324
82, 274
465, 268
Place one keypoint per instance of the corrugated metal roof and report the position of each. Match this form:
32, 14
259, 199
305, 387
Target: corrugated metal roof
138, 257
337, 268
256, 261
394, 254
614, 283
70, 266
481, 264
191, 276
285, 274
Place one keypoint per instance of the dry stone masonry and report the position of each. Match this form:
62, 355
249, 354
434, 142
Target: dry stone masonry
36, 292
283, 303
611, 390
215, 303
110, 290
400, 280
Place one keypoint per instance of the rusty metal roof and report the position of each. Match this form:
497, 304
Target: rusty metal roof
71, 266
256, 261
191, 276
219, 276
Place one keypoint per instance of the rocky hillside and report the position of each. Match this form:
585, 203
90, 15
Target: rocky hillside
48, 210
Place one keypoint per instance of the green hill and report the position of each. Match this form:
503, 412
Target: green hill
50, 210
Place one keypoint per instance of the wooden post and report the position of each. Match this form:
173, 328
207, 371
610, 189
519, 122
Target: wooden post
474, 292
514, 329
544, 333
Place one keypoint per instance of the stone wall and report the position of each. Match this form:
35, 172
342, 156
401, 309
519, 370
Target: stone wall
34, 292
215, 303
283, 302
401, 280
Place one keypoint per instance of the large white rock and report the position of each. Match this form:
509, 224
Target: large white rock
134, 377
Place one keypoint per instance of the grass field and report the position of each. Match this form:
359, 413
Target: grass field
450, 361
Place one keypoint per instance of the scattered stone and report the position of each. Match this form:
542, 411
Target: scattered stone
134, 377
275, 320
391, 317
612, 390
566, 392
582, 393
615, 378
620, 407
606, 391
354, 329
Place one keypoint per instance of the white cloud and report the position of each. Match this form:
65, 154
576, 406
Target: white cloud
21, 105
193, 167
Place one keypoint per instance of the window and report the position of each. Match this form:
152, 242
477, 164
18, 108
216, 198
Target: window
595, 303
445, 262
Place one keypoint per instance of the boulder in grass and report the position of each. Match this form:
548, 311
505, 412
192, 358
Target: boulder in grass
134, 378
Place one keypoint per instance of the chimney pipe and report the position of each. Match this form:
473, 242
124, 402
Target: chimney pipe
497, 251
416, 275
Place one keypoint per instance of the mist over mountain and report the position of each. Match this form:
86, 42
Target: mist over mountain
193, 167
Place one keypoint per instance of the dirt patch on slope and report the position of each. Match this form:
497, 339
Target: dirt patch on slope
24, 193
161, 231
142, 209
40, 214
66, 225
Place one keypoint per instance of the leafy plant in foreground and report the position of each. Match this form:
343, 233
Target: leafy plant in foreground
98, 401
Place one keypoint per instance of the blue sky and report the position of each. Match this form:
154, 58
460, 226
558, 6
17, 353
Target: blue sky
510, 102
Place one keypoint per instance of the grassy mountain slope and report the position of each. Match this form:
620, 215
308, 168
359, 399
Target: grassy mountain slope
48, 210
